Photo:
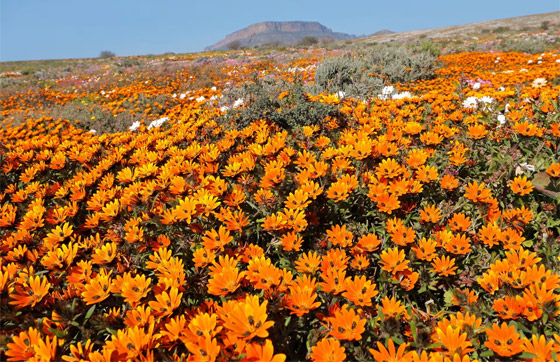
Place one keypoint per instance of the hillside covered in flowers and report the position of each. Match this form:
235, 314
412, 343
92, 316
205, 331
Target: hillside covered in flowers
167, 209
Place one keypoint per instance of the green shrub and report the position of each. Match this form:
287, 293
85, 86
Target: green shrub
363, 75
234, 45
402, 62
261, 99
502, 29
308, 41
531, 46
346, 74
429, 46
106, 54
88, 117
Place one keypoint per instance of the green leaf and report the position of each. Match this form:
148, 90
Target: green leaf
397, 340
288, 319
448, 297
89, 313
541, 179
112, 331
527, 355
488, 353
434, 345
57, 333
528, 243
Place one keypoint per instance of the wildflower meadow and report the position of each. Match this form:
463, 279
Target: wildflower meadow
226, 207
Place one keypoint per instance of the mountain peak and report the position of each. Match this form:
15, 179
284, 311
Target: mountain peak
286, 32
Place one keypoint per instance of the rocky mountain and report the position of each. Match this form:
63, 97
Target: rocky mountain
288, 32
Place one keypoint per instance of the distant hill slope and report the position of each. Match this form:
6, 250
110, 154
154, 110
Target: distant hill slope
520, 23
288, 32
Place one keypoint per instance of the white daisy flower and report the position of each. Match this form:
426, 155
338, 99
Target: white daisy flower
470, 103
134, 126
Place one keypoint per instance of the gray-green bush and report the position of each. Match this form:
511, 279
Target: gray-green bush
364, 73
261, 101
402, 62
346, 74
531, 46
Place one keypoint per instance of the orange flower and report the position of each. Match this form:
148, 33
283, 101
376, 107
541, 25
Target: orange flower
328, 349
58, 235
508, 307
335, 258
489, 234
360, 262
454, 341
338, 191
291, 241
21, 348
416, 158
476, 192
203, 257
521, 186
387, 202
256, 352
459, 222
104, 254
477, 131
45, 350
216, 240
274, 222
458, 244
132, 289
393, 260
540, 347
338, 236
346, 324
31, 293
511, 239
426, 249
444, 266
503, 340
430, 213
390, 354
449, 182
393, 308
166, 303
294, 219
426, 174
403, 236
248, 319
130, 343
334, 280
553, 169
98, 288
263, 274
301, 299
360, 291
297, 200
203, 349
389, 168
79, 352
226, 281
369, 242
308, 262
141, 316
204, 324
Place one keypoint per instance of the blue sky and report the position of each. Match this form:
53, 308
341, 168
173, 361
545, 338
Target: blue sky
57, 29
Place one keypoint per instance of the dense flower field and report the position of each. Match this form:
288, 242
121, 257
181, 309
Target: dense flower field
422, 224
